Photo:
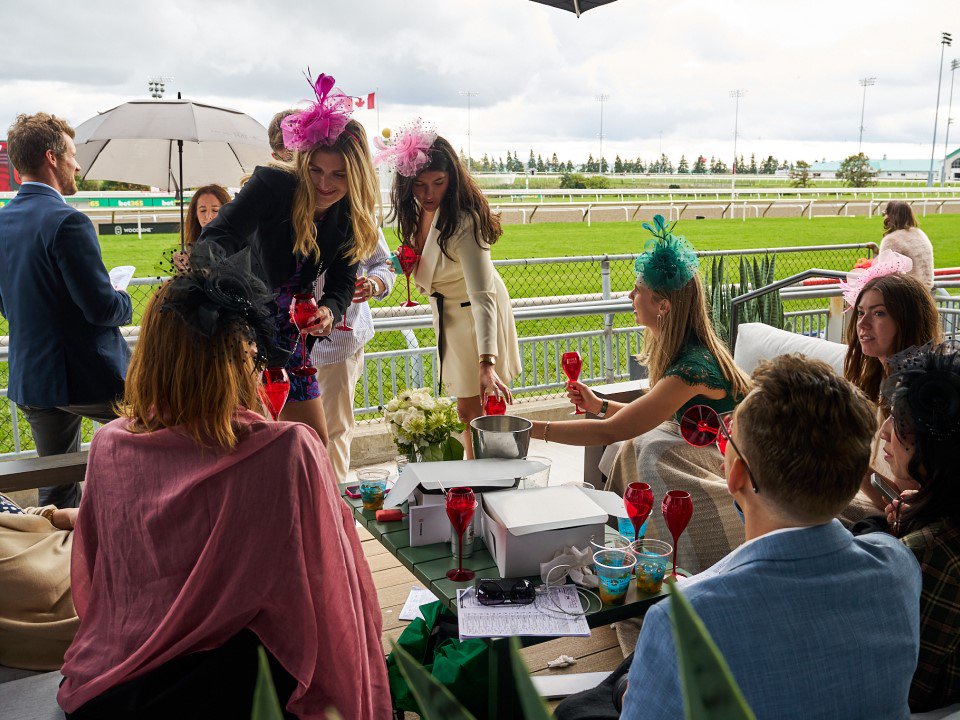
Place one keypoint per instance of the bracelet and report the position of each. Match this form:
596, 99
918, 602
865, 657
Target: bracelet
546, 431
603, 409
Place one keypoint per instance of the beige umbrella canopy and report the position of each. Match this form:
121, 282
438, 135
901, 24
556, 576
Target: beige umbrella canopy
171, 144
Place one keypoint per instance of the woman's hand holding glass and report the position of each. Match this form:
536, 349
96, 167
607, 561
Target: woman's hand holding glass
491, 384
583, 397
320, 324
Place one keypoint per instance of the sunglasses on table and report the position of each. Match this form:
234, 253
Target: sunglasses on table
504, 592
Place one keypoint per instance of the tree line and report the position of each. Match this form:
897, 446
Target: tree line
661, 165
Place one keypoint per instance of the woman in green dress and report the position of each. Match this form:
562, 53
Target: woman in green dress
688, 364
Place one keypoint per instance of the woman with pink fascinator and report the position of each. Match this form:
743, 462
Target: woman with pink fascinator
444, 218
312, 215
892, 311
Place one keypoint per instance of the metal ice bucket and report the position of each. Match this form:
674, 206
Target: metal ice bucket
500, 436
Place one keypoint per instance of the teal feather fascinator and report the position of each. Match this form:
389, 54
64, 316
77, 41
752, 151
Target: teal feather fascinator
668, 261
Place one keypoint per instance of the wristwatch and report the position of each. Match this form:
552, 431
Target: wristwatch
488, 359
603, 409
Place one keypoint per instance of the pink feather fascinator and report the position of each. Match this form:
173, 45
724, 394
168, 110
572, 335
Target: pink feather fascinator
322, 122
886, 263
408, 152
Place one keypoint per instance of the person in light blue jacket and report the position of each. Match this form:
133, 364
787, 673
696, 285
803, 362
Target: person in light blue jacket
813, 622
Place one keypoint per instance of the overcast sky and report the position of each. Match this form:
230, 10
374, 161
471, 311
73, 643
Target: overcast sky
667, 67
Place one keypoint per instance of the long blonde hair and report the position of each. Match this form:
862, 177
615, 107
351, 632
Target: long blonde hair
162, 389
688, 319
362, 198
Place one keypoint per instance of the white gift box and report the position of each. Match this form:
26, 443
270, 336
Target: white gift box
525, 528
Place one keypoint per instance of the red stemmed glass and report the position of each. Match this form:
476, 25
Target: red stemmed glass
571, 363
274, 389
638, 500
700, 426
360, 282
303, 309
407, 258
677, 510
461, 504
495, 405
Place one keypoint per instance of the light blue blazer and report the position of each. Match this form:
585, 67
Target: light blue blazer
813, 623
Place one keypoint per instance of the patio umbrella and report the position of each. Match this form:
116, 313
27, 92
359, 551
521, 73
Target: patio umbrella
171, 144
575, 6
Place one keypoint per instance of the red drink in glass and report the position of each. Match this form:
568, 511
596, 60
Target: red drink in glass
495, 405
571, 363
303, 309
677, 510
461, 505
407, 258
638, 500
274, 389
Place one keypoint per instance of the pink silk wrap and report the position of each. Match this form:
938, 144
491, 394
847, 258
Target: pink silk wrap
178, 548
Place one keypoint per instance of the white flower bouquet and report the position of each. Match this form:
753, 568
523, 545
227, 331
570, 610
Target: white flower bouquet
424, 427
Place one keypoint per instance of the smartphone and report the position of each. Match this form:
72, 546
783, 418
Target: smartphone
884, 488
353, 491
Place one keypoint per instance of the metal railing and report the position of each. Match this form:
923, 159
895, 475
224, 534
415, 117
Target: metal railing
572, 302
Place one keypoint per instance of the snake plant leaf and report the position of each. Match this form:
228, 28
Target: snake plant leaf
530, 700
435, 701
266, 704
709, 689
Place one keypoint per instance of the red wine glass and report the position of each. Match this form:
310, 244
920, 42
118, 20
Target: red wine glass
495, 405
461, 504
638, 500
677, 510
407, 258
303, 310
571, 364
700, 426
274, 389
342, 325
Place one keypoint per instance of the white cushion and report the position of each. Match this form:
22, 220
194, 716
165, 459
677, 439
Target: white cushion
757, 342
947, 713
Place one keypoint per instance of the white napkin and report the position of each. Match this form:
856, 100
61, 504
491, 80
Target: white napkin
121, 276
580, 568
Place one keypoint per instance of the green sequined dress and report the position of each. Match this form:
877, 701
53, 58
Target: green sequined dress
697, 366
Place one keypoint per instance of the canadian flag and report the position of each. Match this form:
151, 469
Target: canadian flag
369, 103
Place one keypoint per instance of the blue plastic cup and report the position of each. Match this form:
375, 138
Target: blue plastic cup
625, 526
614, 570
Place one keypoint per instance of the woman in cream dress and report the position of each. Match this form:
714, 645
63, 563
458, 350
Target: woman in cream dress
442, 215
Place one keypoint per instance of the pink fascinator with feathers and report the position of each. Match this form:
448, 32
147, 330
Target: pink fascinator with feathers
408, 152
886, 263
323, 121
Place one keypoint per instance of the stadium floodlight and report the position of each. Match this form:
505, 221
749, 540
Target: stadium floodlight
864, 83
601, 98
736, 94
946, 40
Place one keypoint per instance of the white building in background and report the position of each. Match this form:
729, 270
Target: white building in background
951, 166
890, 170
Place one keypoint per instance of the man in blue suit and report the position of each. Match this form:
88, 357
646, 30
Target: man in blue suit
813, 622
67, 359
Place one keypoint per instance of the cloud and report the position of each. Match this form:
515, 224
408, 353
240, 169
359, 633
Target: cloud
668, 68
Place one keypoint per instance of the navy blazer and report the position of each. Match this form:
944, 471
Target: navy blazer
814, 623
65, 346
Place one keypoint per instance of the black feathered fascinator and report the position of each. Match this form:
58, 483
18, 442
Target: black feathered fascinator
220, 294
923, 390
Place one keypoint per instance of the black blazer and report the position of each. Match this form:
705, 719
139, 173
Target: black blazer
65, 345
259, 218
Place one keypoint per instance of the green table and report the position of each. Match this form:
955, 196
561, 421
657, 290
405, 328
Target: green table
429, 564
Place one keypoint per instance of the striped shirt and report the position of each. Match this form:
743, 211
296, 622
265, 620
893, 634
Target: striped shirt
343, 343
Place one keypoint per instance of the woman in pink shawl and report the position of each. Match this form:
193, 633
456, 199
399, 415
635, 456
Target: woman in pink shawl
206, 531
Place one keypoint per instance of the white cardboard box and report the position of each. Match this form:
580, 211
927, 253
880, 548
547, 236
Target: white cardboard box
524, 528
